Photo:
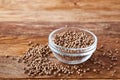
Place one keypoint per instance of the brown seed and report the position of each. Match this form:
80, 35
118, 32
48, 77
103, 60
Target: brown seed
114, 64
108, 68
116, 49
81, 74
117, 41
95, 62
109, 54
29, 74
37, 58
55, 73
13, 58
7, 56
94, 70
101, 46
24, 68
71, 41
19, 60
117, 52
112, 74
110, 51
88, 69
113, 58
104, 54
106, 27
30, 43
26, 71
41, 73
103, 67
111, 66
98, 70
59, 74
78, 72
114, 71
84, 71
75, 3
71, 72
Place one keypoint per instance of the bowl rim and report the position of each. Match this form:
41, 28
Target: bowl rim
51, 42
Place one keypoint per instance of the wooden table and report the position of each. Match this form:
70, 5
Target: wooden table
60, 10
22, 21
15, 36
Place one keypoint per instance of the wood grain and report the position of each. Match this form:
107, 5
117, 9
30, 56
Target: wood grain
60, 10
15, 36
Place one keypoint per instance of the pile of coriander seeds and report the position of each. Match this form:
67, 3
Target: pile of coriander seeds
38, 63
72, 45
73, 39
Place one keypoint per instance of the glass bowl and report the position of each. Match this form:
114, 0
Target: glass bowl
72, 55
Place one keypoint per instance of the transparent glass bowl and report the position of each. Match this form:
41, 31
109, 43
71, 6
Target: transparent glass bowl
72, 55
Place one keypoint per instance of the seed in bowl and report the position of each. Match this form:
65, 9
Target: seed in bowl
73, 39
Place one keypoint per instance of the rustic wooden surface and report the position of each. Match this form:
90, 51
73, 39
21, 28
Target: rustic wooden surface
39, 17
60, 10
15, 36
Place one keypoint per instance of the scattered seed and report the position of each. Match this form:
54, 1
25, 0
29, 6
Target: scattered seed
19, 60
30, 43
103, 67
116, 49
101, 46
117, 41
13, 58
59, 74
108, 68
84, 71
75, 3
81, 74
114, 64
112, 74
88, 69
7, 56
94, 70
39, 64
104, 54
114, 71
26, 71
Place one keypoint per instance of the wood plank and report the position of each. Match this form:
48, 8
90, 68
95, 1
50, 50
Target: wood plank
60, 10
14, 38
